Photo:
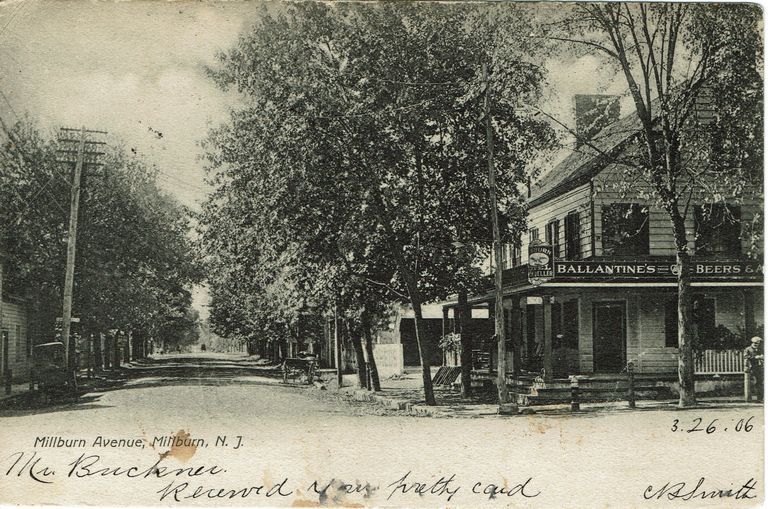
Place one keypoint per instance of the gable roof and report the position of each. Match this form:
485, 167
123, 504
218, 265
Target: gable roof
586, 161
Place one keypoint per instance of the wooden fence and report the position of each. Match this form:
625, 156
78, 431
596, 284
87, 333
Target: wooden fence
719, 362
389, 359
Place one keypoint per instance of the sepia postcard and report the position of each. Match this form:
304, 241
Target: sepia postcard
381, 254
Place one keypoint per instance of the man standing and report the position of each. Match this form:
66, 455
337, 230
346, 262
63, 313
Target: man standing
754, 359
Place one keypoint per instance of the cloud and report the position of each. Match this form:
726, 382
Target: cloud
133, 66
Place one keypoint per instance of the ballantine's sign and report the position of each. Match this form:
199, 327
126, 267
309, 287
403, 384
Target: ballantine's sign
539, 262
613, 270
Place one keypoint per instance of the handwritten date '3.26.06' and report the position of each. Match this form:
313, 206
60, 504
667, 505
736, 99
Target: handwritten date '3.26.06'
698, 424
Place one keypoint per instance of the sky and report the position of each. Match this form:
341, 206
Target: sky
134, 69
137, 69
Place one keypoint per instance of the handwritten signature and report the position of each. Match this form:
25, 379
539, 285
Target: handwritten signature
681, 491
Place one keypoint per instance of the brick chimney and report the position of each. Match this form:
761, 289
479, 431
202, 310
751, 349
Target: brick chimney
593, 112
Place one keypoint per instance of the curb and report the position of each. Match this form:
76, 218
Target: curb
389, 403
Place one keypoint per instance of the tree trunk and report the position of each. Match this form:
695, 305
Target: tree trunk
138, 345
685, 325
282, 348
411, 281
357, 344
106, 347
426, 372
97, 353
115, 350
685, 366
372, 369
464, 320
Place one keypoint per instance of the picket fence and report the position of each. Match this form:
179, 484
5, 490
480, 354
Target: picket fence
719, 362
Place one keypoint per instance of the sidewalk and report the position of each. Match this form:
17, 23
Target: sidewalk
85, 384
404, 393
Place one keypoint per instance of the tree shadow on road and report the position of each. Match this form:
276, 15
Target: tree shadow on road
31, 403
173, 371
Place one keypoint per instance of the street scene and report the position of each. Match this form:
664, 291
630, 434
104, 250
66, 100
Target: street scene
312, 254
294, 432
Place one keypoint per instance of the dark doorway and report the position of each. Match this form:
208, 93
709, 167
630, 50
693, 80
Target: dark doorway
608, 337
533, 360
433, 329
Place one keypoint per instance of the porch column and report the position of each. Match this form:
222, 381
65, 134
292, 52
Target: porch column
445, 331
516, 333
749, 314
547, 302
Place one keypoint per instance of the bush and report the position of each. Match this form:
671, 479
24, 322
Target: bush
450, 342
722, 338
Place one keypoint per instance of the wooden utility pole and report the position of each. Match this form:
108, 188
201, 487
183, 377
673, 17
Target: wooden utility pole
69, 275
505, 405
80, 156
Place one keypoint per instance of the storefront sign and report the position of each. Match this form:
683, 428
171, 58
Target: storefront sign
539, 263
727, 270
614, 270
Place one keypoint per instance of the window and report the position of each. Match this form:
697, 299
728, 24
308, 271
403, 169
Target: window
718, 229
552, 235
534, 234
510, 256
704, 317
625, 229
670, 322
572, 236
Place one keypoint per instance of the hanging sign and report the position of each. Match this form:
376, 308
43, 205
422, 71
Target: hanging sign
539, 262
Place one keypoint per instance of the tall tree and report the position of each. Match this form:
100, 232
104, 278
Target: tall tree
135, 265
361, 120
668, 54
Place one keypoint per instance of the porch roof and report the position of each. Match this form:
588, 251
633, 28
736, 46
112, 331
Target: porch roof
656, 272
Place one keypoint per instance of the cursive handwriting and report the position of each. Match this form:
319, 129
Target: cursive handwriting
680, 491
493, 490
189, 483
182, 491
31, 468
440, 487
90, 465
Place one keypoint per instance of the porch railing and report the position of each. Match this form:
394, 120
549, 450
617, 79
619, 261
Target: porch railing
720, 362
